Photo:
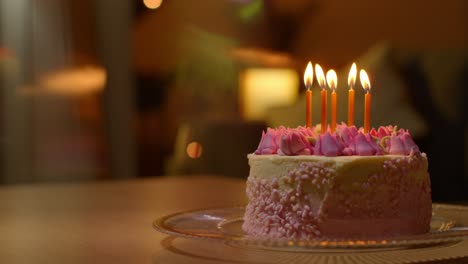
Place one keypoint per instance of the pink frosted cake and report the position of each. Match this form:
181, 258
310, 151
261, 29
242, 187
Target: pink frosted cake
303, 185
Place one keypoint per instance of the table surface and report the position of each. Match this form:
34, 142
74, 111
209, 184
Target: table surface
111, 222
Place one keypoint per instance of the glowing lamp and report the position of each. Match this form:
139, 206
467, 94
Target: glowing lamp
264, 88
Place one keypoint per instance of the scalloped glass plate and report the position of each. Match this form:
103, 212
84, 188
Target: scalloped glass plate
449, 224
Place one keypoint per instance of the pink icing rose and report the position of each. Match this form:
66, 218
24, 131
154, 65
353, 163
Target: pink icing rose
293, 142
346, 135
279, 132
383, 132
363, 147
268, 143
396, 146
390, 129
378, 149
348, 151
328, 145
307, 132
410, 146
401, 131
401, 143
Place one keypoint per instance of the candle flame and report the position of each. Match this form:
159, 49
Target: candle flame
364, 80
152, 4
308, 75
320, 76
352, 75
332, 79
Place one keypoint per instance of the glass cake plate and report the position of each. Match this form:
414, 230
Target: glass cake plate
449, 224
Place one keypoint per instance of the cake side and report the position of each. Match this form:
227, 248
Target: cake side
307, 196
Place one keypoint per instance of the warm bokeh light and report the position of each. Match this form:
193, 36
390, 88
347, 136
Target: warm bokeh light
264, 88
194, 150
364, 80
152, 4
320, 76
74, 81
308, 75
352, 75
332, 79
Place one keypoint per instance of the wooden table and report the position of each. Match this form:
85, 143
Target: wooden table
111, 222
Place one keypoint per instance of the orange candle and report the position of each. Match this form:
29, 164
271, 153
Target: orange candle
308, 79
351, 83
324, 124
322, 82
351, 107
367, 99
367, 110
332, 81
308, 108
333, 111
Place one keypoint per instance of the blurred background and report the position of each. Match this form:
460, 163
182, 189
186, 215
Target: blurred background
105, 90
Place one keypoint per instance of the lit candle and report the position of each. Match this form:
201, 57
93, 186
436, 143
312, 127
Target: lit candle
332, 81
322, 82
308, 80
351, 83
367, 99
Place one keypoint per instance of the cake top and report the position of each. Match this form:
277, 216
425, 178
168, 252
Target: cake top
345, 141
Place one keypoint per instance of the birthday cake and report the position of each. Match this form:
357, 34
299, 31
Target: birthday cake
304, 184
